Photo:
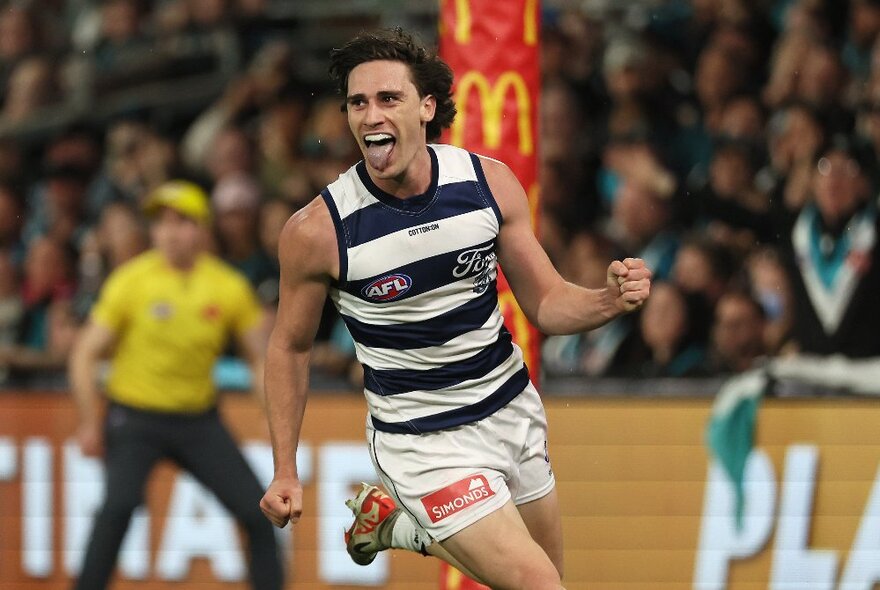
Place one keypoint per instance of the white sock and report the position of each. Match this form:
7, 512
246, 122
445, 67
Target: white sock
408, 535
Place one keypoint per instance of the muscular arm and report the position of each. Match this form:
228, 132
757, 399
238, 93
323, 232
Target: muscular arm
552, 304
309, 258
93, 342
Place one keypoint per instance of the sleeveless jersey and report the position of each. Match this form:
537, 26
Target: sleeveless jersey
417, 291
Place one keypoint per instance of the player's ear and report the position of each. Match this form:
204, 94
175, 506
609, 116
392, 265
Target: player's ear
428, 108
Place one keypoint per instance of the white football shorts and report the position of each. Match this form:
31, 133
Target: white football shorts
449, 479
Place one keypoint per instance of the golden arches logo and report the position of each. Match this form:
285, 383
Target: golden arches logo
492, 98
464, 22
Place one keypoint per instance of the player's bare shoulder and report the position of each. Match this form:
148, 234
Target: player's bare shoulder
308, 244
505, 187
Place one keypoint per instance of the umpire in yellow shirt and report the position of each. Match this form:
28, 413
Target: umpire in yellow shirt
164, 318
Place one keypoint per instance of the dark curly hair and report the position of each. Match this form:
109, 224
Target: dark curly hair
430, 74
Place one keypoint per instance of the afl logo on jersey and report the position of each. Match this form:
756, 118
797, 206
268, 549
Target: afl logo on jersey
387, 288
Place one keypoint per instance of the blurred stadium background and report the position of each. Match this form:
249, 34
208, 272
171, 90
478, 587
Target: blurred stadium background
732, 143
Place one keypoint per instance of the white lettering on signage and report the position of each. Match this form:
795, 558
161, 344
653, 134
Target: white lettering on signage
37, 508
460, 502
863, 566
196, 525
720, 542
200, 528
794, 564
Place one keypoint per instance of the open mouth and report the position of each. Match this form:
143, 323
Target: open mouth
378, 139
378, 149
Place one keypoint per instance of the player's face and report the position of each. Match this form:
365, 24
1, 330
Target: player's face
177, 237
388, 118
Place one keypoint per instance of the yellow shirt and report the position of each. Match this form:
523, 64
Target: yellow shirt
171, 326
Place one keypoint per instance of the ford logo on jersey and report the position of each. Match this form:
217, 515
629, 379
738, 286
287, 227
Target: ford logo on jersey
387, 288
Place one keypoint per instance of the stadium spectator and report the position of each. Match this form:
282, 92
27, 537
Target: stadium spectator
157, 160
703, 268
137, 159
720, 75
570, 202
33, 86
641, 219
47, 279
119, 236
327, 145
122, 38
274, 213
729, 207
47, 325
832, 258
280, 166
822, 83
785, 67
624, 66
795, 135
671, 348
231, 153
562, 122
21, 35
737, 341
864, 28
236, 202
57, 208
742, 118
770, 286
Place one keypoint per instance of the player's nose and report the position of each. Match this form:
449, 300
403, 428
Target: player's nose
373, 114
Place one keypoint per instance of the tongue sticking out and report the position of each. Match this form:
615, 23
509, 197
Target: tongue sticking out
378, 154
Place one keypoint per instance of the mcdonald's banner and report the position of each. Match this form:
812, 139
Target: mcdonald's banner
492, 47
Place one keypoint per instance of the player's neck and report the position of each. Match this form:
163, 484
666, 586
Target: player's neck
414, 180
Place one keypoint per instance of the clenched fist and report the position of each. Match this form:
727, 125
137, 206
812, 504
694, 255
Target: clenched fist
282, 502
629, 283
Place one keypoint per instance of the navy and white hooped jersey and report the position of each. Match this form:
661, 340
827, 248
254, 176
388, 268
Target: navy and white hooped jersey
417, 291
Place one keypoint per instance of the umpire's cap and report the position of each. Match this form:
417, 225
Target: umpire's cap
183, 196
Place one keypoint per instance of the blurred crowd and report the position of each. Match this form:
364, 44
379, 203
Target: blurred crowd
732, 144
